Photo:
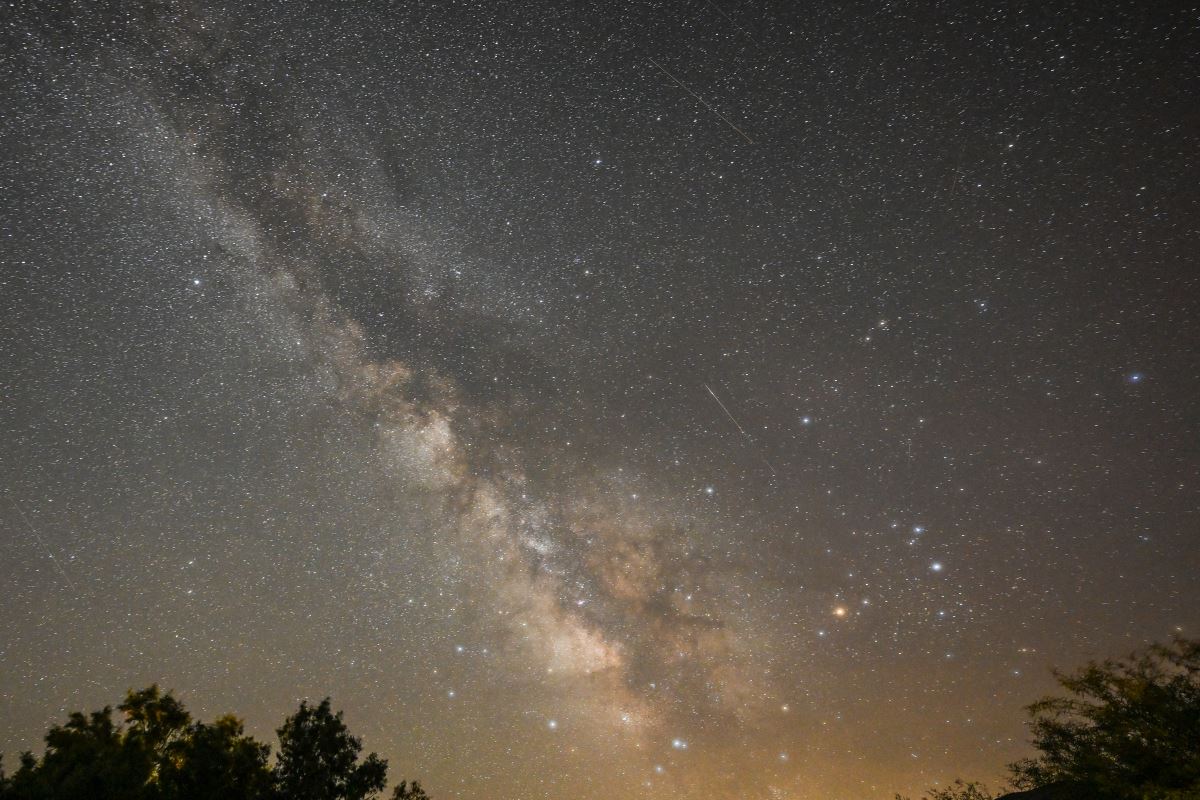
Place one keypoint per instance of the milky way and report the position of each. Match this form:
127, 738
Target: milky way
685, 400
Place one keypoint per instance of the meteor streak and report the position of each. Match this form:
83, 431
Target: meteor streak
46, 548
749, 439
684, 86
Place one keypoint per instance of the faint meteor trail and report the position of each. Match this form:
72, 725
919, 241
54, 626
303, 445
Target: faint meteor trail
717, 9
684, 86
749, 439
46, 548
728, 18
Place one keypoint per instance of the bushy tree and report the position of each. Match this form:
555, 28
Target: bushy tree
959, 791
84, 758
318, 759
158, 752
218, 762
404, 791
1127, 730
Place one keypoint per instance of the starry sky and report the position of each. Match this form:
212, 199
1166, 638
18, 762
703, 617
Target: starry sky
674, 399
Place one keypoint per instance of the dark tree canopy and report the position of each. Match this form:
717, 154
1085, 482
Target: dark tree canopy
219, 762
157, 752
318, 759
1127, 729
85, 757
960, 790
406, 792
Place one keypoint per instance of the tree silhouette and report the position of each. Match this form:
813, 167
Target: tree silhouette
406, 792
155, 732
157, 752
218, 762
85, 758
318, 759
961, 790
1128, 729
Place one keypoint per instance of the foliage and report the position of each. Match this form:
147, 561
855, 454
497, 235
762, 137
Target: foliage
219, 763
1128, 729
959, 791
85, 758
157, 752
318, 759
406, 792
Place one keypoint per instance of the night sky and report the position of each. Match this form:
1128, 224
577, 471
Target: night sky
674, 399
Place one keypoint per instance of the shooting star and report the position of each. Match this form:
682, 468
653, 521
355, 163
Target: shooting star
730, 20
749, 439
44, 546
717, 9
704, 102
